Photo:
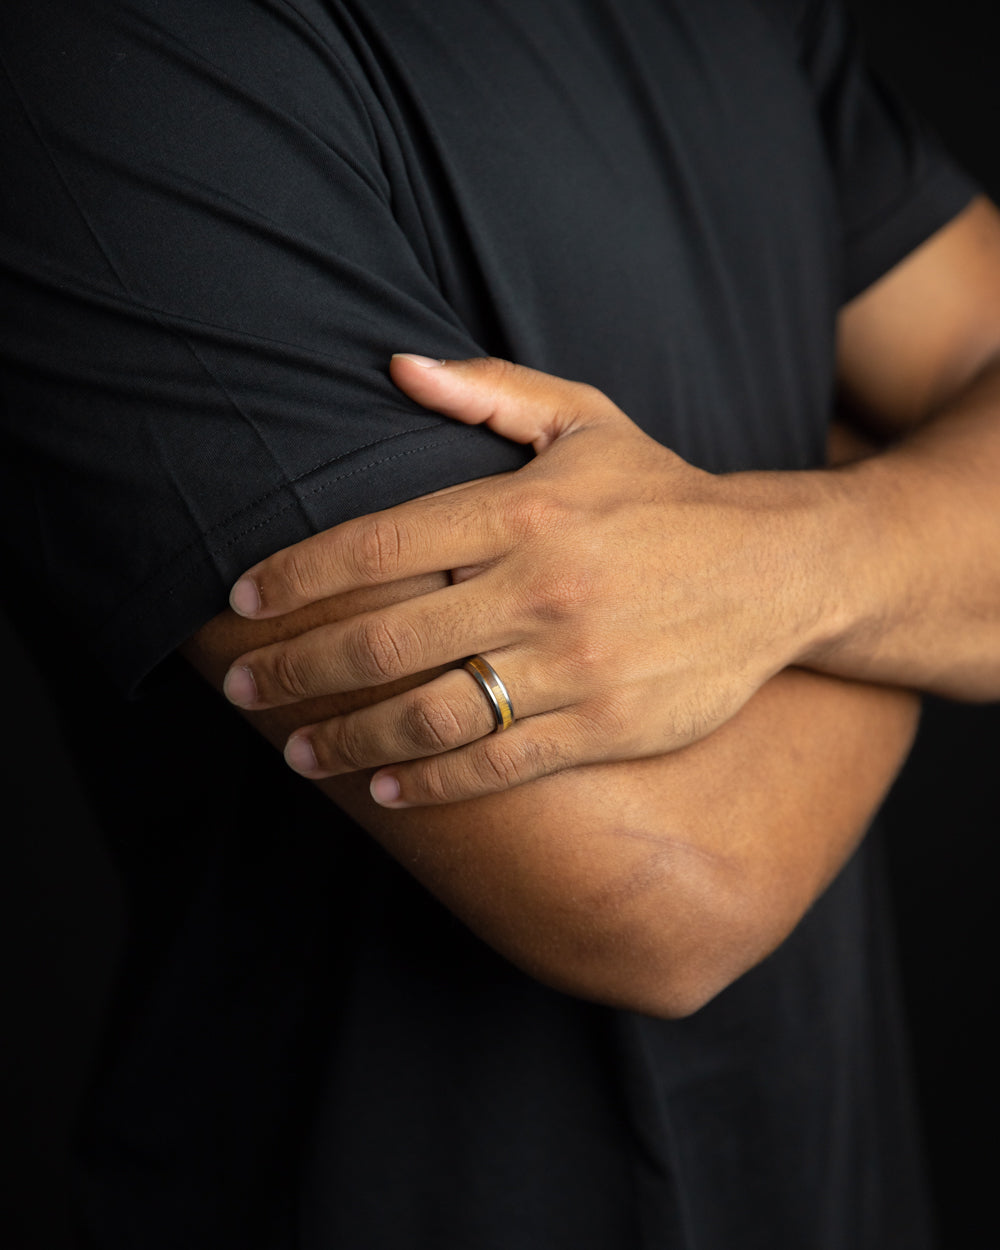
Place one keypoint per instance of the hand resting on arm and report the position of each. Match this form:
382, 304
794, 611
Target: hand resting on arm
653, 883
649, 884
633, 603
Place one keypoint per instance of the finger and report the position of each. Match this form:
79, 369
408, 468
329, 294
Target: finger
442, 531
441, 715
377, 648
521, 404
535, 747
453, 529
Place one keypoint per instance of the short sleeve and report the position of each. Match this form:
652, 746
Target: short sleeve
202, 279
894, 184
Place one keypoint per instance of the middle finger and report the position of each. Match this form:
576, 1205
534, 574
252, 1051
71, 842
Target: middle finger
376, 648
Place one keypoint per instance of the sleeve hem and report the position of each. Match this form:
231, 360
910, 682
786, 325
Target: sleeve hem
877, 247
193, 586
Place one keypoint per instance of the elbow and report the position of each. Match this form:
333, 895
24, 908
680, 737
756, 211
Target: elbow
688, 990
671, 951
670, 984
675, 997
676, 984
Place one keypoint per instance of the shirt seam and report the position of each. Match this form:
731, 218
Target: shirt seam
205, 536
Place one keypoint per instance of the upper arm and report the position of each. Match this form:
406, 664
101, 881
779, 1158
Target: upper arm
914, 338
202, 279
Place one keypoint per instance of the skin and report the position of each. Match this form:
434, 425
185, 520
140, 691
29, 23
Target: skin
650, 882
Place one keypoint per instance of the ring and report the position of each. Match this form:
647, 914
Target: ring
494, 689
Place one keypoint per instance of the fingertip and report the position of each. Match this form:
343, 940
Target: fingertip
385, 791
423, 362
300, 755
453, 388
239, 686
244, 598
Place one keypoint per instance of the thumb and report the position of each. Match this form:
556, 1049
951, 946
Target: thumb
518, 403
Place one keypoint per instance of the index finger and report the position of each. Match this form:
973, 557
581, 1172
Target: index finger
451, 528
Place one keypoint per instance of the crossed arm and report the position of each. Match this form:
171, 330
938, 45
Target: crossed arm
649, 884
653, 882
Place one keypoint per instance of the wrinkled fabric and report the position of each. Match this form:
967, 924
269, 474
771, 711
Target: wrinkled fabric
218, 222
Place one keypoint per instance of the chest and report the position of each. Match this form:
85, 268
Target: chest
630, 194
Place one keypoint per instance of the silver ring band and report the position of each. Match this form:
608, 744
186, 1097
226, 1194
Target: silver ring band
494, 689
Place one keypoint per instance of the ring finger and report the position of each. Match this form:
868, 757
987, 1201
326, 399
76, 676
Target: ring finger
445, 713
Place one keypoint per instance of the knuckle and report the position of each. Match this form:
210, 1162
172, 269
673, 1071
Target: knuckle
588, 397
500, 372
500, 379
298, 572
500, 766
589, 666
508, 375
561, 594
496, 766
378, 548
433, 782
430, 724
382, 653
290, 674
534, 515
346, 747
592, 658
612, 723
583, 402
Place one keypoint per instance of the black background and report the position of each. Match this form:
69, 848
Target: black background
944, 815
62, 912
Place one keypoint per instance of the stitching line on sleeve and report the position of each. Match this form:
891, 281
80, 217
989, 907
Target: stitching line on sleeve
264, 521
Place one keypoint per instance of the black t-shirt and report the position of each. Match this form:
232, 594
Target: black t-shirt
218, 222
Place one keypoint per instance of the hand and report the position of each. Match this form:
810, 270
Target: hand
630, 602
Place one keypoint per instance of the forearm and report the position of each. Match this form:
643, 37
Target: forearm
649, 884
903, 556
653, 884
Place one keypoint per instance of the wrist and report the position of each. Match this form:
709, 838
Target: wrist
858, 542
812, 582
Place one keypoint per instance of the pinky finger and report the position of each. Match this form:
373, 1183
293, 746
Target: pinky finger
535, 747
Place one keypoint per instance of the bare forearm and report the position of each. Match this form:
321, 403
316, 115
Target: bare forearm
653, 883
905, 556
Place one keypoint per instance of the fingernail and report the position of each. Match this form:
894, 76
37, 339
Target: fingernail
425, 362
300, 756
385, 790
244, 598
239, 687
